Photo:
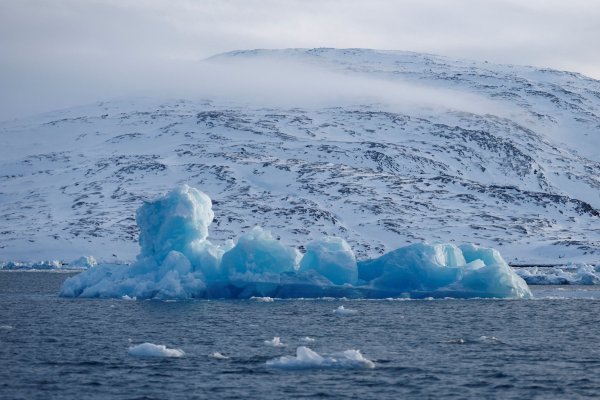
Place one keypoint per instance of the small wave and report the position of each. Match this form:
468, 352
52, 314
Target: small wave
309, 359
275, 342
344, 311
154, 350
218, 356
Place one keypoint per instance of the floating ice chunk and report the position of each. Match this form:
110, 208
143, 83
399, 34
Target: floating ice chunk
275, 342
262, 299
309, 359
83, 262
125, 297
6, 327
218, 356
258, 256
307, 339
333, 258
344, 311
154, 350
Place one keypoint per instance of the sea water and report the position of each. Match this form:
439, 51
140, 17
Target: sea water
52, 347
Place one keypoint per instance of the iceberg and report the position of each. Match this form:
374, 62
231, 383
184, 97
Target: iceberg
178, 261
309, 359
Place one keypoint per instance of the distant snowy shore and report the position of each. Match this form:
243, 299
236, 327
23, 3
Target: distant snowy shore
559, 274
82, 263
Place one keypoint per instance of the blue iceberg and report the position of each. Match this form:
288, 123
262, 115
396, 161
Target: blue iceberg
177, 261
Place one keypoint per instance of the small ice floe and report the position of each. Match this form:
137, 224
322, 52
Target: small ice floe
489, 340
275, 342
262, 299
309, 359
125, 297
154, 350
344, 311
479, 340
6, 327
307, 339
456, 341
218, 356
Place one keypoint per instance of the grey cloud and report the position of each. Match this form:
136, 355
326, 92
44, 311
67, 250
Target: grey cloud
61, 53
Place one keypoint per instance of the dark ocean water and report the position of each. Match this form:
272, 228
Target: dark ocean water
53, 348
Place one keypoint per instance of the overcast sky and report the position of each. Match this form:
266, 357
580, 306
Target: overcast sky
59, 53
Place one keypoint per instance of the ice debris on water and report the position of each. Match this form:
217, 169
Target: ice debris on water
344, 311
307, 339
218, 356
275, 342
262, 299
479, 340
154, 350
177, 261
33, 266
83, 262
309, 359
572, 274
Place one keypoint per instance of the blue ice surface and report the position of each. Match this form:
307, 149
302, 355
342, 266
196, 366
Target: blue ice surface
177, 261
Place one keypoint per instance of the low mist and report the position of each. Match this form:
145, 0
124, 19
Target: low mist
265, 81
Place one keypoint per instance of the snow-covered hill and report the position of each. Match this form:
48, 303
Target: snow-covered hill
415, 147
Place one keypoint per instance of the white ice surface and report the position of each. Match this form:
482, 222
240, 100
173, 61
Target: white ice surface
341, 310
308, 359
154, 350
275, 342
